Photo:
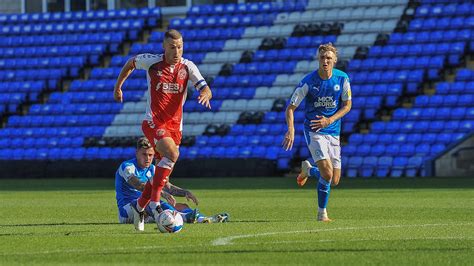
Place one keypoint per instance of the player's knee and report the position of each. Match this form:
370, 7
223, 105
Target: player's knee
173, 155
326, 174
335, 182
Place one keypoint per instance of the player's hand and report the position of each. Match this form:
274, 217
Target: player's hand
289, 139
319, 123
190, 196
204, 97
118, 95
169, 198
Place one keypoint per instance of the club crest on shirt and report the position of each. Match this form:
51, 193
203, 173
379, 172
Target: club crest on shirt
182, 73
160, 132
159, 73
337, 87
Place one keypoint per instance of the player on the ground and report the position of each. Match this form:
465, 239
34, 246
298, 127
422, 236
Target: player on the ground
130, 180
167, 77
327, 93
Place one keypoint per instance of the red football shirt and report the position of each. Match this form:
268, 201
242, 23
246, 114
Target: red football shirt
167, 88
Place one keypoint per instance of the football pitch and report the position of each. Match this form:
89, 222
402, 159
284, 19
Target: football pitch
427, 221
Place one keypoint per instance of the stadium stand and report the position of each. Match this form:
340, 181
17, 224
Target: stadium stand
253, 55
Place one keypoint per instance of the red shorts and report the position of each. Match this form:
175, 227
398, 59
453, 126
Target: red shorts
154, 133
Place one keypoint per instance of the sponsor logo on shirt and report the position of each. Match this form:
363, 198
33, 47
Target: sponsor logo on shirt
326, 101
169, 87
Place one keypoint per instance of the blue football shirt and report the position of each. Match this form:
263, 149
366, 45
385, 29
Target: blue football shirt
124, 192
323, 97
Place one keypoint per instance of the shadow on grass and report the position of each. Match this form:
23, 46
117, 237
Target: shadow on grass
70, 184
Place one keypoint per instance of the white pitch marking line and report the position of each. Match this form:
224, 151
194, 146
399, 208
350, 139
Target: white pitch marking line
228, 240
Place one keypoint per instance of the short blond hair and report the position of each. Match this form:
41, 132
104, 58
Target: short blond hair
327, 47
143, 143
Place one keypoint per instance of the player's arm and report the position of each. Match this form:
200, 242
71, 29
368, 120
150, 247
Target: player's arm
290, 133
168, 197
127, 69
298, 95
180, 192
135, 182
205, 95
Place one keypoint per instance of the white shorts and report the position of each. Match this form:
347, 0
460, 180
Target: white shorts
324, 147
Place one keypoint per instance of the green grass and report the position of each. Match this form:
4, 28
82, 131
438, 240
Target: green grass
406, 221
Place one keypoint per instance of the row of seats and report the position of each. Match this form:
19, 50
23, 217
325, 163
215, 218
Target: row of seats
47, 132
358, 166
191, 47
388, 76
53, 51
74, 108
214, 33
444, 100
46, 62
223, 21
444, 113
20, 86
246, 8
271, 153
72, 153
458, 22
435, 126
444, 9
392, 63
395, 149
401, 139
85, 27
438, 36
63, 39
36, 74
61, 142
444, 48
457, 88
59, 120
92, 97
87, 16
340, 14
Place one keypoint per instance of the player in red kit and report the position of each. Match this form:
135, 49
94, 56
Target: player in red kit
167, 78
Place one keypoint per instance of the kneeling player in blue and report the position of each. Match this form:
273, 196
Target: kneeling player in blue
133, 175
327, 95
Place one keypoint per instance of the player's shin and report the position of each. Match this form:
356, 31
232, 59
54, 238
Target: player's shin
144, 198
324, 188
163, 170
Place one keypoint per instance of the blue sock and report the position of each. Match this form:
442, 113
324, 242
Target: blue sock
314, 172
324, 188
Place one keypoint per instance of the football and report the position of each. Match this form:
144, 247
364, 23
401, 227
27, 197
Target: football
170, 222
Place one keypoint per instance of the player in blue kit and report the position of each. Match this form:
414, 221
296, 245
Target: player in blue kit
131, 178
327, 93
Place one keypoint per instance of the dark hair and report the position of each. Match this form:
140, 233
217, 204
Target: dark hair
173, 34
143, 143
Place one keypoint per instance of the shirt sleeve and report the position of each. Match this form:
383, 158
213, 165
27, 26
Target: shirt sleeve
195, 76
127, 171
346, 91
144, 61
299, 94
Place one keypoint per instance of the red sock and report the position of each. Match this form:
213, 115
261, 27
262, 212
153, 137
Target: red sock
162, 171
159, 181
145, 197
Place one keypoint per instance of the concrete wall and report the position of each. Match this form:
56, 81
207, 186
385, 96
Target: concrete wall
459, 161
10, 6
